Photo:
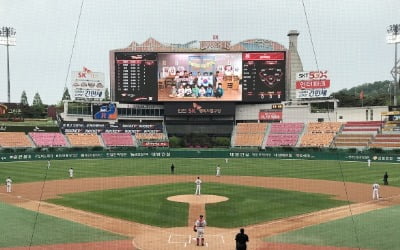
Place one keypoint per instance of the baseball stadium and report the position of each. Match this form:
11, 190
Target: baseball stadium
275, 154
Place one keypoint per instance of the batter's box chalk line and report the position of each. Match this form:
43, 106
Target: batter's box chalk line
187, 239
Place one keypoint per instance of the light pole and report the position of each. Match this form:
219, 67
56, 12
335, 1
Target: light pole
394, 37
7, 38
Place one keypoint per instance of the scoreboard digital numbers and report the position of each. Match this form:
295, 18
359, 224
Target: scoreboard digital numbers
135, 77
263, 77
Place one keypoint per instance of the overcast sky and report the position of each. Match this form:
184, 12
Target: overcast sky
349, 35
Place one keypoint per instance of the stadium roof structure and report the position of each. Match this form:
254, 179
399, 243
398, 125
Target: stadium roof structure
152, 44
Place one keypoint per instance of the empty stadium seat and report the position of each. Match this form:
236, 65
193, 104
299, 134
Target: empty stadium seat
14, 139
84, 140
320, 134
250, 134
117, 139
45, 139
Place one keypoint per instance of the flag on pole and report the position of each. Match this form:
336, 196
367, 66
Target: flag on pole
362, 94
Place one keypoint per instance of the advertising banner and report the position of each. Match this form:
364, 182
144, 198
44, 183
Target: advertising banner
312, 84
312, 93
270, 115
87, 85
199, 108
155, 144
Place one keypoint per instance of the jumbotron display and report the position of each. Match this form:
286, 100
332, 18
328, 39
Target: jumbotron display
135, 77
252, 77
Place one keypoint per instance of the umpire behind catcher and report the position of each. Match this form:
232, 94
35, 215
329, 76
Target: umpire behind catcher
241, 240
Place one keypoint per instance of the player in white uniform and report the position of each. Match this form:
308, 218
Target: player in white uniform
198, 186
375, 191
369, 163
8, 184
218, 174
48, 164
199, 227
71, 172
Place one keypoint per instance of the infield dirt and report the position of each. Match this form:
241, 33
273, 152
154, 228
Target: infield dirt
149, 237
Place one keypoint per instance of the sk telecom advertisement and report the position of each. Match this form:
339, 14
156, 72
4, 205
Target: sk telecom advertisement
199, 108
312, 84
87, 85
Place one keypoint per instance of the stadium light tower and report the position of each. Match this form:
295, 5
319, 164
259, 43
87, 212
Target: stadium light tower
394, 37
7, 38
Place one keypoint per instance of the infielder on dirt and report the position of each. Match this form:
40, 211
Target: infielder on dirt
199, 227
8, 184
375, 191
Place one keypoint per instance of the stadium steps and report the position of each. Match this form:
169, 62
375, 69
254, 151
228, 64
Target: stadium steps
67, 140
68, 143
233, 135
300, 136
103, 144
267, 131
31, 140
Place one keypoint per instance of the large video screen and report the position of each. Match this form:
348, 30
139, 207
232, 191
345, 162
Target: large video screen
256, 77
135, 77
264, 77
200, 77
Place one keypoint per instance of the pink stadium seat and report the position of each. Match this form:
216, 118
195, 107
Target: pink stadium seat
117, 139
44, 139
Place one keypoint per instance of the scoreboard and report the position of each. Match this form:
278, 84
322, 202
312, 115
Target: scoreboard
264, 77
149, 77
135, 75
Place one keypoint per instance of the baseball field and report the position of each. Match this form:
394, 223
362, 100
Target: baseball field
139, 204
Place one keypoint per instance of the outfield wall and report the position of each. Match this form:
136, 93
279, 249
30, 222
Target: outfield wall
304, 155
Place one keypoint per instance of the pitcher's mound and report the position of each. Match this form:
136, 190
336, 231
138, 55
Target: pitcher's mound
197, 199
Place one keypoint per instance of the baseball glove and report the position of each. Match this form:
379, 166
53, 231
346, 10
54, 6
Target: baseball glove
194, 229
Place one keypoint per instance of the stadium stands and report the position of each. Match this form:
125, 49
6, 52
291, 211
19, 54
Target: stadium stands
320, 134
150, 136
44, 139
250, 134
14, 140
282, 140
284, 134
365, 127
118, 139
84, 140
386, 141
117, 134
352, 140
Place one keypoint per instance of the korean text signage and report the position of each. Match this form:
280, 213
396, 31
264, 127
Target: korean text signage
199, 108
88, 85
215, 45
312, 84
270, 115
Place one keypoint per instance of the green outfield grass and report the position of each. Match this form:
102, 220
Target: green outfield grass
17, 225
308, 169
373, 230
246, 205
